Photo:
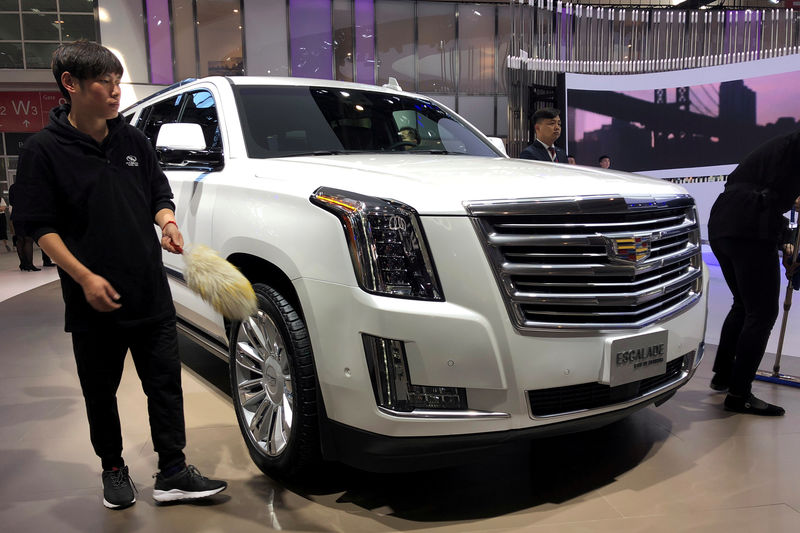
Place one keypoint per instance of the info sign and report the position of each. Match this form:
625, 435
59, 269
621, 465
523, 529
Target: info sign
634, 357
26, 111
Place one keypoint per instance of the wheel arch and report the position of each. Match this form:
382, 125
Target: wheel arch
259, 270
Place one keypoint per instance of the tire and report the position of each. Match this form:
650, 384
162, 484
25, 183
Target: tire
273, 387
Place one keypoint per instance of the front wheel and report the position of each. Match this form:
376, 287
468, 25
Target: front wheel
273, 386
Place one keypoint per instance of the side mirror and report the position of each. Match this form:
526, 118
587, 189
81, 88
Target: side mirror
183, 146
181, 137
498, 143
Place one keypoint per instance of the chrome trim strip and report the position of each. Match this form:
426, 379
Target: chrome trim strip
581, 239
679, 307
470, 414
619, 298
176, 275
594, 239
565, 205
601, 269
206, 343
534, 283
683, 377
590, 225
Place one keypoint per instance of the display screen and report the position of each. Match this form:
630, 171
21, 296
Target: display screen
690, 122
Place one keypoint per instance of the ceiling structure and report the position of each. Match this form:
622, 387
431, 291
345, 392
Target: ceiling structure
677, 4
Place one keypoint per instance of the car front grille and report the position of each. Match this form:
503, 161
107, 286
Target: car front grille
576, 398
592, 262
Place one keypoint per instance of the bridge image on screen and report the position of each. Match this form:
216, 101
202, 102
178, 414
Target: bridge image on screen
703, 125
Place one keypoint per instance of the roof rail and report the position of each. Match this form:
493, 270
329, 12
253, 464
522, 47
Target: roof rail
161, 91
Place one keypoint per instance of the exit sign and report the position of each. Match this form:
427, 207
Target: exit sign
27, 111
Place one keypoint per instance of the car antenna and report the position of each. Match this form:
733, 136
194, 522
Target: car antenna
392, 84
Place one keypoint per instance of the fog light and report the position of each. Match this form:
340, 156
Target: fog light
388, 368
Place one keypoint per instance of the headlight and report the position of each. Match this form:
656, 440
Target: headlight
386, 242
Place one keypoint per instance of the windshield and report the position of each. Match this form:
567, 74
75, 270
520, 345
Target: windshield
289, 121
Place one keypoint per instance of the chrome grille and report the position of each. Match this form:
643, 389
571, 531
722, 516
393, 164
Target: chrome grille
592, 262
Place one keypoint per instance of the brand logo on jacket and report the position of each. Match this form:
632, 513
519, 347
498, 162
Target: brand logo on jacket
131, 161
629, 249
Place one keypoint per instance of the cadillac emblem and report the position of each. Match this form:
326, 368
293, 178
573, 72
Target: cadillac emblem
629, 249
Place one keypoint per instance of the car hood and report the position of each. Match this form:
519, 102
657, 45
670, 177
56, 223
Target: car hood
440, 184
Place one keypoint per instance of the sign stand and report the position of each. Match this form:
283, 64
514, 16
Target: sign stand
775, 376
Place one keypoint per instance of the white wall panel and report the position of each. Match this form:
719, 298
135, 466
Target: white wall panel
266, 44
122, 30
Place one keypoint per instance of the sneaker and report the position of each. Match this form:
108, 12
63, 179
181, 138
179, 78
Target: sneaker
118, 489
188, 484
751, 405
718, 383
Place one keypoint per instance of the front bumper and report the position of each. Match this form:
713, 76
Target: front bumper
379, 453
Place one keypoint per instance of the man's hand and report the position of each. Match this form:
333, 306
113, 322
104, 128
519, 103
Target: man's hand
172, 239
100, 294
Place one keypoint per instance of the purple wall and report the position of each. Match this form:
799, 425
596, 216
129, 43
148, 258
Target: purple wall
159, 42
310, 46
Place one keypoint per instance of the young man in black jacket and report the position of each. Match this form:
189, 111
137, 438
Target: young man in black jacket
746, 229
89, 188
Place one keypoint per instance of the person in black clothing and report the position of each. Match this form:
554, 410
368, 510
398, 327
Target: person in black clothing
547, 128
746, 229
89, 188
3, 224
23, 239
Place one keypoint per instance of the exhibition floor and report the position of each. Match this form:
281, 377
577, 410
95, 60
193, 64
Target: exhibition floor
685, 466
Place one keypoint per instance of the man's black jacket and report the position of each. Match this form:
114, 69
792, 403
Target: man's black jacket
758, 192
538, 152
102, 200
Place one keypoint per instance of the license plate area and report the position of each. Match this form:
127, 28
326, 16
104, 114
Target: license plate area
634, 357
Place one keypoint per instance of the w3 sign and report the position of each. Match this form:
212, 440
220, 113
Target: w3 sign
26, 111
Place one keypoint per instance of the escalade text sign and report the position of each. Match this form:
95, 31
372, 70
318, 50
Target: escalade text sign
635, 357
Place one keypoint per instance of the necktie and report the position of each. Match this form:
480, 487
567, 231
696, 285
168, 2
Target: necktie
552, 153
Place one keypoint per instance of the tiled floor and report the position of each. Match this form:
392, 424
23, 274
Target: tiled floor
685, 466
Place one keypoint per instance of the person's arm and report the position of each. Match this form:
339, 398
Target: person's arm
171, 237
98, 291
161, 197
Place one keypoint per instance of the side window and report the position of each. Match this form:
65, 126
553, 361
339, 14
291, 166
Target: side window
201, 109
142, 120
163, 112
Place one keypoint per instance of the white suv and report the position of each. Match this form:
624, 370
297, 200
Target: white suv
421, 295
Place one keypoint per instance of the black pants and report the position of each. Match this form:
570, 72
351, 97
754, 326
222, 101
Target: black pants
25, 251
752, 272
100, 356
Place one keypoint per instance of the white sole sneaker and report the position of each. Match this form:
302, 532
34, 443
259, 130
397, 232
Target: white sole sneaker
110, 505
177, 494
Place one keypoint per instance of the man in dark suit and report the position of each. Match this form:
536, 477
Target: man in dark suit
547, 125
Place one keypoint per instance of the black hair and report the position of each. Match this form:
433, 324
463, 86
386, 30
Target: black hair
545, 113
84, 60
604, 156
413, 131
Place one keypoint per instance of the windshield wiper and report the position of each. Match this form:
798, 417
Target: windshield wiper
324, 152
435, 152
